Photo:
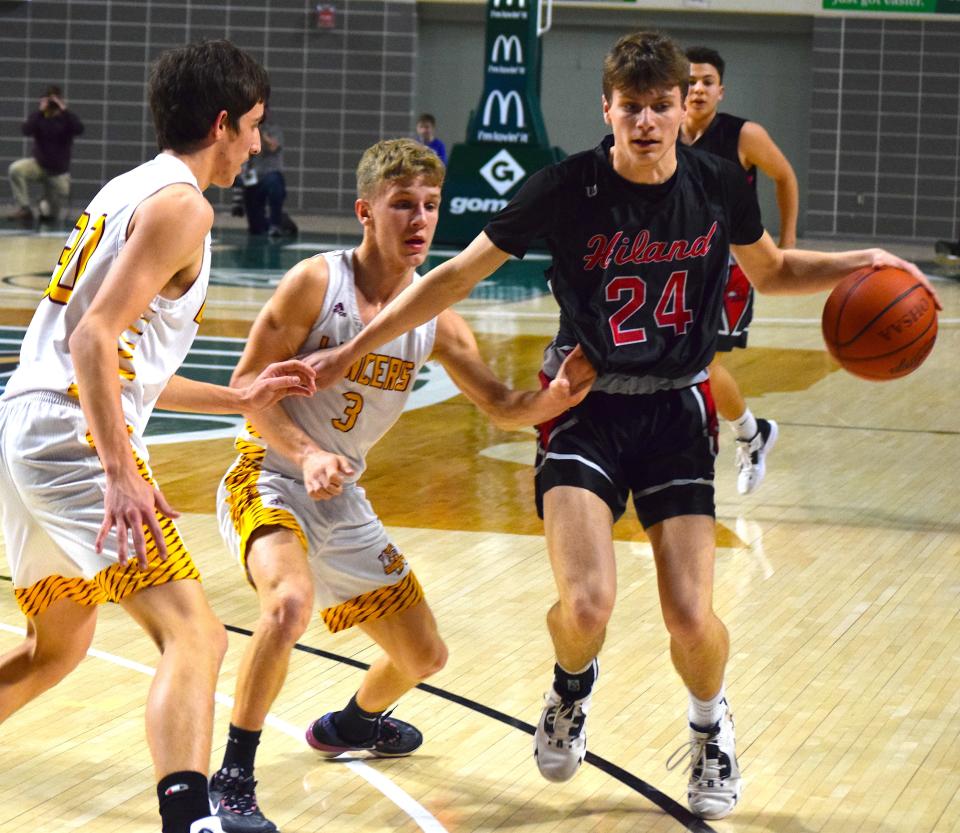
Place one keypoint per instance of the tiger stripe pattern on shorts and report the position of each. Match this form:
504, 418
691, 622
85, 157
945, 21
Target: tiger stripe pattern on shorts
247, 510
384, 601
116, 582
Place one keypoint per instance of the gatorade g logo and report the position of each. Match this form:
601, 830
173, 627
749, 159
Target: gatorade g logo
502, 172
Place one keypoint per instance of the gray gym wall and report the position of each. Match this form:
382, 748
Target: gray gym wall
879, 158
767, 77
334, 92
885, 139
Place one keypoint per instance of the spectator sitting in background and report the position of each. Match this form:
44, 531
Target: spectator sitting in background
264, 188
427, 133
53, 128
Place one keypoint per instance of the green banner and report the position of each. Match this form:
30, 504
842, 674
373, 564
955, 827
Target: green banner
506, 137
916, 6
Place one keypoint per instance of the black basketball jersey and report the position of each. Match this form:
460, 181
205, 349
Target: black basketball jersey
722, 137
638, 270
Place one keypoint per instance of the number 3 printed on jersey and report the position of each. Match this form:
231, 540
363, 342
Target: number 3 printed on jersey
74, 258
671, 310
350, 413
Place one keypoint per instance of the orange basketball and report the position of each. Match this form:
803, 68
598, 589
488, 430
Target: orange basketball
880, 324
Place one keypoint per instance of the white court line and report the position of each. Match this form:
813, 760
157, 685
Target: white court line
416, 811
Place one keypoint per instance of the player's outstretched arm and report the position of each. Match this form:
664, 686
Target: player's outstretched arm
440, 288
275, 382
757, 148
456, 349
776, 271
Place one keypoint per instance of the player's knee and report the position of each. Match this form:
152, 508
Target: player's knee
51, 663
425, 659
287, 615
589, 613
690, 624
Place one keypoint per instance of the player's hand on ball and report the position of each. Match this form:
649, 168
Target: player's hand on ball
324, 473
884, 259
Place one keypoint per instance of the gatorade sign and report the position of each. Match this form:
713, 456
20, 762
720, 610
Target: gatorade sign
506, 137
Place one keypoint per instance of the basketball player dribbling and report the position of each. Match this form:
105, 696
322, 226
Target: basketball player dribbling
640, 229
84, 521
291, 508
747, 144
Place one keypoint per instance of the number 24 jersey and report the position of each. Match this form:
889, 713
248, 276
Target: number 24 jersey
638, 270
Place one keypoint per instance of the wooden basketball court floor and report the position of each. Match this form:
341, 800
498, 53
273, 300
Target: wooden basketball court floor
839, 581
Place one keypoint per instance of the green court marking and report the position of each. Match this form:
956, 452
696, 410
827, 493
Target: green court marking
212, 359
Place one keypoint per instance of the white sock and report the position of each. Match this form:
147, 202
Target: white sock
707, 712
745, 427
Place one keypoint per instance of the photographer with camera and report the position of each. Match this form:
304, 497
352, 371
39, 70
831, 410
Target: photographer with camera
53, 128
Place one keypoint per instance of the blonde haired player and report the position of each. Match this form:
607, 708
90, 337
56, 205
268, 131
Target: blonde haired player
291, 508
103, 348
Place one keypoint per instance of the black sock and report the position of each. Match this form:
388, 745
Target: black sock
355, 725
574, 686
183, 799
241, 749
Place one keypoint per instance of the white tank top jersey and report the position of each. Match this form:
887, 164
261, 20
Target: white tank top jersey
153, 347
350, 416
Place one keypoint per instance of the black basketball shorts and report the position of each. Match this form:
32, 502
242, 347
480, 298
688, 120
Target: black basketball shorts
660, 447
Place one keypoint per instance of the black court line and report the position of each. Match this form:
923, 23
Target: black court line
664, 802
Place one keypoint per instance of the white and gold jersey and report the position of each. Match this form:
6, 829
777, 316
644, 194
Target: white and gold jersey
153, 347
350, 416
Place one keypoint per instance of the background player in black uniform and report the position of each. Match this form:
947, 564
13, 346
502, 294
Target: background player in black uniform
640, 230
747, 144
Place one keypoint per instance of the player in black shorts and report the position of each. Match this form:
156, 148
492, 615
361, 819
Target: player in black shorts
640, 230
748, 145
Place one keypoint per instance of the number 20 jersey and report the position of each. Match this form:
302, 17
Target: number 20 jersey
152, 348
638, 270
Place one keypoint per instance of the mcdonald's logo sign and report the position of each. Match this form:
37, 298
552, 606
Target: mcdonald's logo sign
507, 47
504, 103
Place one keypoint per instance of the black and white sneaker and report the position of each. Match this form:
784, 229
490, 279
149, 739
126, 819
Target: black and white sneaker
393, 739
234, 794
560, 742
714, 786
752, 454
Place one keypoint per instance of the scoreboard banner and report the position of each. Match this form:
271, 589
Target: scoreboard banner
915, 6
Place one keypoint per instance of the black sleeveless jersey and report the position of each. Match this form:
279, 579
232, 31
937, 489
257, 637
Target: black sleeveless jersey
722, 137
638, 270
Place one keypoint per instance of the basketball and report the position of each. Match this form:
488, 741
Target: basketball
880, 324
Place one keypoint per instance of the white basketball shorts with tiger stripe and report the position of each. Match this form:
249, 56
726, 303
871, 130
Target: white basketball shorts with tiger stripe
358, 574
52, 488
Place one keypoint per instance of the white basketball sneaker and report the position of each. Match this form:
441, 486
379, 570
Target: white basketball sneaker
714, 786
211, 824
752, 456
560, 742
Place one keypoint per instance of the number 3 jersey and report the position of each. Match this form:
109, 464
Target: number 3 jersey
152, 348
350, 416
638, 270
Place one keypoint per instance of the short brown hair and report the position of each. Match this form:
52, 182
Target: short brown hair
189, 86
399, 160
645, 61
